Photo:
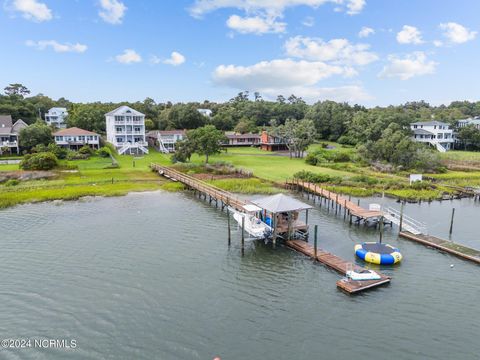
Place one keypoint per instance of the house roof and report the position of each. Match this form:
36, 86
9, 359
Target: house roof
242, 136
124, 109
470, 121
19, 125
73, 131
421, 132
5, 124
280, 203
430, 123
58, 109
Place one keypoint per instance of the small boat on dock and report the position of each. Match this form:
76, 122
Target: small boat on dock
250, 220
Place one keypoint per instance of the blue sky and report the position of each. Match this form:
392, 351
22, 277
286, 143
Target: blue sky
187, 50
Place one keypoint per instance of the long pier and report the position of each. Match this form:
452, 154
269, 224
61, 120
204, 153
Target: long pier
353, 210
341, 266
214, 193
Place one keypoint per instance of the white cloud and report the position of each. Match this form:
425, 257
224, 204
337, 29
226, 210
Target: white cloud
456, 33
275, 74
261, 16
366, 32
255, 24
438, 43
355, 6
57, 47
415, 64
309, 21
112, 11
409, 35
32, 10
175, 59
339, 51
129, 56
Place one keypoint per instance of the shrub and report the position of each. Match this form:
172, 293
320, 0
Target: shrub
364, 179
315, 178
12, 182
72, 155
85, 150
104, 152
59, 151
39, 161
311, 159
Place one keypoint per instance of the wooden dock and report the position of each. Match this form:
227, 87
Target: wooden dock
447, 246
339, 265
334, 199
214, 193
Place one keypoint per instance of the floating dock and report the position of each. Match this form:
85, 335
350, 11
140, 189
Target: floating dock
339, 265
447, 246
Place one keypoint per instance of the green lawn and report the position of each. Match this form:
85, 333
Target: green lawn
461, 155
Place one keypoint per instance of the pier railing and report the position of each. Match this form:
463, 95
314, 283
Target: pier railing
216, 193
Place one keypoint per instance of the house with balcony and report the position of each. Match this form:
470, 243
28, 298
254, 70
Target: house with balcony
74, 138
126, 130
270, 142
9, 134
57, 117
235, 139
435, 133
205, 112
475, 122
165, 140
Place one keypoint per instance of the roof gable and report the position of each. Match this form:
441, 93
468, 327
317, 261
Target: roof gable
73, 131
124, 110
5, 121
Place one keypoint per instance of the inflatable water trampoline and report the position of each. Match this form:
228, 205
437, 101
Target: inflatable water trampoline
377, 253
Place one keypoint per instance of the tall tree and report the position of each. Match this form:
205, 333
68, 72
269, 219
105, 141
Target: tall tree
206, 140
17, 90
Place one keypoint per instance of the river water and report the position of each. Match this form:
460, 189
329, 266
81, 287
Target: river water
150, 276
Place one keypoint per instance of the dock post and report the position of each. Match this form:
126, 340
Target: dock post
451, 222
228, 224
274, 225
336, 205
344, 209
381, 229
243, 235
358, 202
401, 216
315, 242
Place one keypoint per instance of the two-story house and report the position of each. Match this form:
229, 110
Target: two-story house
9, 133
126, 130
57, 117
165, 140
475, 122
74, 138
435, 133
272, 143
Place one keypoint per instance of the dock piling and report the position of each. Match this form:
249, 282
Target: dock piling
315, 242
451, 221
243, 235
229, 231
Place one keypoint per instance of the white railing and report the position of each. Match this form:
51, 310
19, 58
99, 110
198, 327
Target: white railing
408, 223
9, 143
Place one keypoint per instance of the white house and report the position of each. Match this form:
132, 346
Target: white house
9, 133
165, 140
471, 121
74, 138
57, 117
205, 112
435, 133
126, 130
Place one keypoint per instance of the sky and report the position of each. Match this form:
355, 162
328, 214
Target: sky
370, 52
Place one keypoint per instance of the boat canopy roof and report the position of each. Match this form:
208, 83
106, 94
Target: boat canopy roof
280, 203
251, 208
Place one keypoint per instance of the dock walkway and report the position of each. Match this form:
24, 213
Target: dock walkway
216, 194
461, 251
352, 208
339, 265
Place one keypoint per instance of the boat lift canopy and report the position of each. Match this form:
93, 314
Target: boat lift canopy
281, 203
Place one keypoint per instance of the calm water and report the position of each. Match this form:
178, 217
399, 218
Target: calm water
150, 276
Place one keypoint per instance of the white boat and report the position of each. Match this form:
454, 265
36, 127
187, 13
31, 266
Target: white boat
362, 275
252, 224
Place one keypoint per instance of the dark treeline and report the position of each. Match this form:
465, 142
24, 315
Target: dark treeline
342, 122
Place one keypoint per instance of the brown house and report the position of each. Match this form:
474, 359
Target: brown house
9, 133
272, 143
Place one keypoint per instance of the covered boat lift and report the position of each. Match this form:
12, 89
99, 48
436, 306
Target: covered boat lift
281, 212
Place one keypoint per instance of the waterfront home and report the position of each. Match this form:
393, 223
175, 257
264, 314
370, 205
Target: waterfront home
56, 116
9, 134
74, 138
165, 140
272, 143
435, 133
475, 122
235, 139
205, 112
126, 130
